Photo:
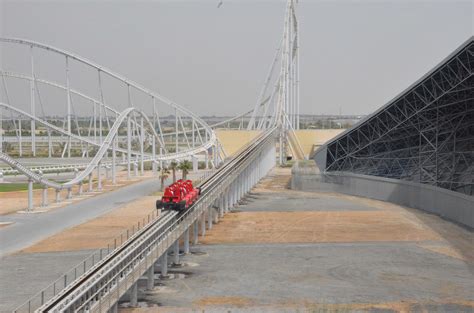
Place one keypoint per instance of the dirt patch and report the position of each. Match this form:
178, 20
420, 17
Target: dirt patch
223, 301
286, 227
99, 232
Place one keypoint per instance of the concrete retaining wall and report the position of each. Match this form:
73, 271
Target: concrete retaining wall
448, 204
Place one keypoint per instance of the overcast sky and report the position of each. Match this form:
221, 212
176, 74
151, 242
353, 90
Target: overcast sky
355, 55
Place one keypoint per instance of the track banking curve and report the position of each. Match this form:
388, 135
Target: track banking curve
107, 144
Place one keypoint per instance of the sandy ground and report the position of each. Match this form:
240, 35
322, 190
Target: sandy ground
311, 139
233, 140
101, 231
301, 227
14, 201
369, 224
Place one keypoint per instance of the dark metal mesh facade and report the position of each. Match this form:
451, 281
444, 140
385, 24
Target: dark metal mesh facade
425, 135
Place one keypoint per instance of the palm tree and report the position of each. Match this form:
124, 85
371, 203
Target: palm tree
173, 166
163, 176
185, 166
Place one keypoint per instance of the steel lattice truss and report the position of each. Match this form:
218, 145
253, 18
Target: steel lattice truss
424, 135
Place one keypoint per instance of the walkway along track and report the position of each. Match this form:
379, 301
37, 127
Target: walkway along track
103, 285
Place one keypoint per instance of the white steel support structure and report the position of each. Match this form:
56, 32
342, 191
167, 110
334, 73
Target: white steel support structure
280, 105
99, 136
103, 287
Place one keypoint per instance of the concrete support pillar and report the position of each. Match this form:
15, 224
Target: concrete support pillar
176, 252
30, 195
186, 241
69, 193
215, 213
114, 308
226, 201
203, 224
58, 195
164, 265
99, 178
221, 206
79, 192
129, 147
135, 167
134, 295
150, 283
142, 139
90, 183
44, 199
114, 161
206, 159
195, 232
209, 220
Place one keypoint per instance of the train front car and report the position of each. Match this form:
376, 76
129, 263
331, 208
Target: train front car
178, 196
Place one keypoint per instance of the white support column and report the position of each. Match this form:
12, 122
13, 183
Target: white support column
176, 253
58, 195
153, 156
33, 108
209, 220
90, 183
142, 139
134, 295
216, 158
20, 140
129, 147
30, 195
150, 283
164, 265
69, 193
68, 92
215, 212
176, 129
221, 206
195, 232
114, 161
186, 241
114, 308
203, 224
99, 178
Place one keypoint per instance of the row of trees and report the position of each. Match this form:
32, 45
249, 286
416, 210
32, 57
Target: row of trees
184, 166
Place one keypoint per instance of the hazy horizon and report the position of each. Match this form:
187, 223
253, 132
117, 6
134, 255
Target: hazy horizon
355, 55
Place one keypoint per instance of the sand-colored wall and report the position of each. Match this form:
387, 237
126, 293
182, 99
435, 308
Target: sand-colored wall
315, 137
233, 140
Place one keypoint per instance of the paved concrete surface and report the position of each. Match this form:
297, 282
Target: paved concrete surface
23, 275
396, 273
310, 275
30, 228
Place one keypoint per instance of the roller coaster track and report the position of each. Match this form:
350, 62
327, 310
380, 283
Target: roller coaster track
104, 144
105, 282
103, 148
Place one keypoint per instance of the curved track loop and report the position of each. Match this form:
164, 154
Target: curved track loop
105, 144
103, 148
